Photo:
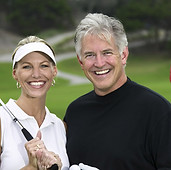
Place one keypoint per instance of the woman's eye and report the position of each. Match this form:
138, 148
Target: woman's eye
44, 65
26, 67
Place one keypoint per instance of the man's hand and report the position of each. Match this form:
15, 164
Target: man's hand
82, 167
86, 167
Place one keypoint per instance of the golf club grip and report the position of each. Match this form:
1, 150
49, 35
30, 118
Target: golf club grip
29, 137
53, 167
27, 134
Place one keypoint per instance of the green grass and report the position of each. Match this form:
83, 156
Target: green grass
150, 71
60, 97
153, 73
71, 66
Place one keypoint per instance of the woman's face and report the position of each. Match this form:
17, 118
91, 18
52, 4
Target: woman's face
35, 73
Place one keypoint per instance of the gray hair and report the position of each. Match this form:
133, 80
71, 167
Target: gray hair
102, 26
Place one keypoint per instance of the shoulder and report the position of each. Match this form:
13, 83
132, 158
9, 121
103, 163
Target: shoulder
3, 111
146, 92
55, 118
148, 96
78, 105
57, 121
52, 117
83, 98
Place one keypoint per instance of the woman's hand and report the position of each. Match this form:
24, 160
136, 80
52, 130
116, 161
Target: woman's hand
45, 159
39, 157
32, 147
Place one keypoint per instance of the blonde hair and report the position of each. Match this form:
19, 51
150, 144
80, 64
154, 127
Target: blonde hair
30, 39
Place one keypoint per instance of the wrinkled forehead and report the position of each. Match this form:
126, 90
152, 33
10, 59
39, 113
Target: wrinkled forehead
104, 35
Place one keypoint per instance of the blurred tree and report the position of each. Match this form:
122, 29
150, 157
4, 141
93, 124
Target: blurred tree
3, 9
31, 16
92, 6
148, 14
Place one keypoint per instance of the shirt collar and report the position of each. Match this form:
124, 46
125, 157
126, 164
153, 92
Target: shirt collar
21, 115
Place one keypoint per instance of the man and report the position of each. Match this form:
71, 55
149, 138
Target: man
120, 125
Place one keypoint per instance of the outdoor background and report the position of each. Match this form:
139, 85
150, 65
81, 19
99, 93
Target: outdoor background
148, 27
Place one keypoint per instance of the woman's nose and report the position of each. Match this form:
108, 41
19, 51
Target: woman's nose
36, 73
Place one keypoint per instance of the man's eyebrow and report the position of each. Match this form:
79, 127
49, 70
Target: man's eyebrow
107, 50
88, 52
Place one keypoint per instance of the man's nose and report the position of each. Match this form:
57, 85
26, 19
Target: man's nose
99, 61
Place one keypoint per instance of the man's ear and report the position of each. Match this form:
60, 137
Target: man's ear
124, 55
81, 63
79, 60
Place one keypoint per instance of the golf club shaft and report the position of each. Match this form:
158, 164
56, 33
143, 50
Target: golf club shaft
25, 132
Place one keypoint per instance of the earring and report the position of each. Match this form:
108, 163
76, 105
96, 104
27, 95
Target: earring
53, 83
18, 85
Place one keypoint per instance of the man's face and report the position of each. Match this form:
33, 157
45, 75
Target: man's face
102, 64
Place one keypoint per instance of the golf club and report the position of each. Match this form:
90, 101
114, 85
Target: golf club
25, 132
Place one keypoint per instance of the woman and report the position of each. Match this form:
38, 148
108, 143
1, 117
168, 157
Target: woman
34, 69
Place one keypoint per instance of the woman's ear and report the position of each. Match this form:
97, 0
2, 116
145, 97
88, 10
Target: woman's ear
14, 74
124, 55
55, 71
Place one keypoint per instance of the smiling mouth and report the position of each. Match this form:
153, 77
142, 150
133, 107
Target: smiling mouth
102, 72
37, 83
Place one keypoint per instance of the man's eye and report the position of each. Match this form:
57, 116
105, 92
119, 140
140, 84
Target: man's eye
108, 53
89, 55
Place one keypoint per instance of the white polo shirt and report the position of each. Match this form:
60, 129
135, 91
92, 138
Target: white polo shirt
14, 155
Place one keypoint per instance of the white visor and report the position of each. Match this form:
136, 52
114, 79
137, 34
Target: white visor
31, 47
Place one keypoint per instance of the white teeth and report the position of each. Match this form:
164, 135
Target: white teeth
37, 83
102, 72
